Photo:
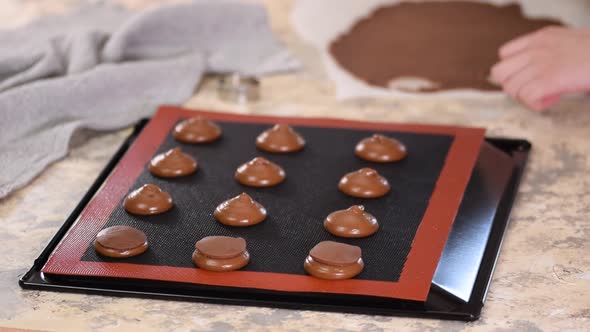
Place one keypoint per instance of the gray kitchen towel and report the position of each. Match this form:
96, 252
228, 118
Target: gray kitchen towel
104, 68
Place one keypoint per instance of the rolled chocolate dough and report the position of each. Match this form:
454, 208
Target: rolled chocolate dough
429, 46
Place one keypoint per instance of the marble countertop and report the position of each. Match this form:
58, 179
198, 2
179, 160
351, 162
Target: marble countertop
541, 283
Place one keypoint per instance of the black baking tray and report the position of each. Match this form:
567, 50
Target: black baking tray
458, 289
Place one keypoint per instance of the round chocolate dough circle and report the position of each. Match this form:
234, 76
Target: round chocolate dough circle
353, 222
260, 172
240, 211
172, 163
335, 253
149, 199
364, 183
325, 271
221, 246
444, 44
196, 130
221, 253
120, 242
220, 265
334, 260
380, 149
280, 139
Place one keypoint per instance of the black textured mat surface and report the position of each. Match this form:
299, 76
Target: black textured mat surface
296, 207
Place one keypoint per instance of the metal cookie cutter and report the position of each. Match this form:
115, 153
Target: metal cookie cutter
238, 88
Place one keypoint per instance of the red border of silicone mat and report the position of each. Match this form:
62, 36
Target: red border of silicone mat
415, 279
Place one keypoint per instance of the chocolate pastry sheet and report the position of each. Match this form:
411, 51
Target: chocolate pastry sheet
400, 259
437, 45
395, 48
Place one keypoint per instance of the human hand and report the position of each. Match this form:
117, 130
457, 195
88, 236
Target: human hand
540, 67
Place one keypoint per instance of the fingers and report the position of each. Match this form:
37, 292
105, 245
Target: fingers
534, 85
527, 41
530, 69
539, 94
505, 69
545, 103
515, 46
516, 82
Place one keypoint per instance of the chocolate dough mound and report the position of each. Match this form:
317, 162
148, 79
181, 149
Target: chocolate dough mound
449, 44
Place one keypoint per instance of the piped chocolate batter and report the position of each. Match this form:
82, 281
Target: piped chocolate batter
240, 211
353, 222
364, 183
426, 46
147, 200
120, 242
380, 149
280, 139
260, 172
197, 130
172, 163
334, 260
221, 253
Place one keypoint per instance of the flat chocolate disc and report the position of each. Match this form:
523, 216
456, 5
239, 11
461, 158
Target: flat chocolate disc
364, 183
221, 247
147, 200
280, 139
221, 253
380, 149
197, 130
120, 242
353, 222
335, 253
334, 261
260, 172
241, 210
172, 163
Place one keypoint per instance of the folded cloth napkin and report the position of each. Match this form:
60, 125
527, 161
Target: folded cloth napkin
104, 68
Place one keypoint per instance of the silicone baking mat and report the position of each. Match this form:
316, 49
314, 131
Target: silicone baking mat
400, 259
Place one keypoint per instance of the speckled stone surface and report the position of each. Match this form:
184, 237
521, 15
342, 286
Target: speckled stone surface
542, 281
